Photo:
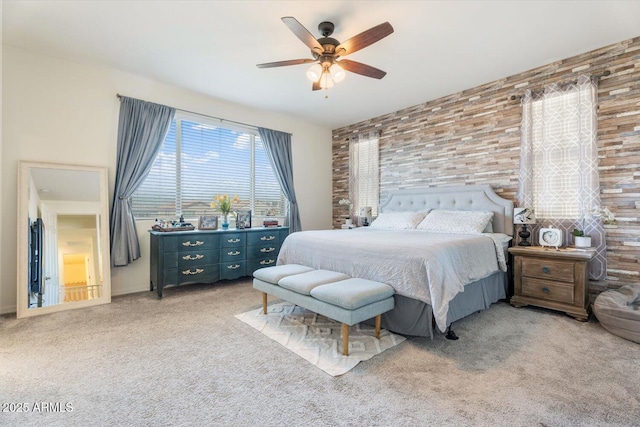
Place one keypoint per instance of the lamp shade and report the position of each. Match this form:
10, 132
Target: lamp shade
524, 216
337, 73
314, 72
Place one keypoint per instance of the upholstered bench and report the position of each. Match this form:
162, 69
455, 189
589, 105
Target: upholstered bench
619, 311
329, 293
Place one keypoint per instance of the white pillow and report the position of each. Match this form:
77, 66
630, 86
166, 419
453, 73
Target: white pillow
456, 222
398, 220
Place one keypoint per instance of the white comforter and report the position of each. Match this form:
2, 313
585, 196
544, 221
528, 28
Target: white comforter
430, 267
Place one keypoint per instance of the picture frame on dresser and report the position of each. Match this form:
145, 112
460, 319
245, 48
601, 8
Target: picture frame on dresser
208, 222
243, 219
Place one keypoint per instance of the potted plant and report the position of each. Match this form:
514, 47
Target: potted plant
580, 239
347, 203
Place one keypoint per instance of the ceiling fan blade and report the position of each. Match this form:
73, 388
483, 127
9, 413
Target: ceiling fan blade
303, 34
316, 85
285, 63
360, 68
364, 39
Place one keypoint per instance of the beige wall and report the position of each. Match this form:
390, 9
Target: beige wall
66, 112
473, 137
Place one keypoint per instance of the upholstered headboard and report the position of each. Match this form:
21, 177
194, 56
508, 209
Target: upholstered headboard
464, 198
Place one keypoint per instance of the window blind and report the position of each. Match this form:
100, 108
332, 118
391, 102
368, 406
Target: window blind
213, 160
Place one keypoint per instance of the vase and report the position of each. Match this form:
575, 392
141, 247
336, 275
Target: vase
225, 222
582, 241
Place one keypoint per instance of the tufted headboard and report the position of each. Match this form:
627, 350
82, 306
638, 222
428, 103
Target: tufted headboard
464, 198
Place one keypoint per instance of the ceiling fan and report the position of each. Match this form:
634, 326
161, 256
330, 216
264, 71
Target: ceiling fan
326, 51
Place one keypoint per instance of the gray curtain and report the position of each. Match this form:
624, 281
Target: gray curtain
141, 129
278, 147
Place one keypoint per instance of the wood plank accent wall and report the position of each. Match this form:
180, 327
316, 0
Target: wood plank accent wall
473, 137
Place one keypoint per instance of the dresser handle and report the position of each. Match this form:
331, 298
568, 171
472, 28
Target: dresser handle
197, 243
233, 240
233, 253
189, 272
265, 238
267, 261
267, 250
546, 269
192, 258
545, 290
233, 267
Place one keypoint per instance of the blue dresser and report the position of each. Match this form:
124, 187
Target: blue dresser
186, 257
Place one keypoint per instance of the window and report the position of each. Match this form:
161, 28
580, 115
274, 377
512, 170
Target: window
364, 172
215, 159
559, 175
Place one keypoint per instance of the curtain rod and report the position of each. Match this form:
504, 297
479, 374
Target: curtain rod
595, 76
253, 127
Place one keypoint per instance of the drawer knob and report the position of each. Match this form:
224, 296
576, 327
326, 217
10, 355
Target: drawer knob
233, 240
233, 253
267, 250
267, 261
546, 269
192, 258
263, 238
197, 243
189, 272
233, 267
545, 290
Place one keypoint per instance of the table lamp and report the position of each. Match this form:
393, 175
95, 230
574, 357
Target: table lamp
524, 216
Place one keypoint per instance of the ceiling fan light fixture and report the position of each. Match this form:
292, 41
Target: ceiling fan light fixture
337, 73
314, 72
326, 81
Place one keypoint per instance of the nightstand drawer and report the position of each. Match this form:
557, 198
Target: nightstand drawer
547, 269
544, 289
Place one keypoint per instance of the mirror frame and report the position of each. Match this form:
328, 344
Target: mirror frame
22, 309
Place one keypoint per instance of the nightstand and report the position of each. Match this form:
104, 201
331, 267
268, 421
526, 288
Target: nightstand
550, 278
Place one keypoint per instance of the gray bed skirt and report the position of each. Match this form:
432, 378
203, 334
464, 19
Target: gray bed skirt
413, 317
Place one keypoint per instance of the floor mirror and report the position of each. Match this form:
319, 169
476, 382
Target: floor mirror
63, 238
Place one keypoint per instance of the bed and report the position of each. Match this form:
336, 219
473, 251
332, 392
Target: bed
439, 277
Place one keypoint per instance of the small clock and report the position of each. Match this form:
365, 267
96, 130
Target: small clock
550, 237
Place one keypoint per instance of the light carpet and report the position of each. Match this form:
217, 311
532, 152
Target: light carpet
186, 361
317, 339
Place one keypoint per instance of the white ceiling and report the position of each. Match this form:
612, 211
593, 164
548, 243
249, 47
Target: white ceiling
212, 47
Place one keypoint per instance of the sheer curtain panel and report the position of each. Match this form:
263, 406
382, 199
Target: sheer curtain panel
141, 129
559, 162
364, 172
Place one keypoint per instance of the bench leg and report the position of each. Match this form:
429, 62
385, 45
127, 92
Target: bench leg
345, 339
264, 303
378, 323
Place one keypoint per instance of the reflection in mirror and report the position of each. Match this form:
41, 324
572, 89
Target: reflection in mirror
63, 255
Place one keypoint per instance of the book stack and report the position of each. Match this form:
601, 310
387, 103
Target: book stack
269, 222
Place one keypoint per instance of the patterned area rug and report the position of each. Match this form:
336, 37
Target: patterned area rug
317, 339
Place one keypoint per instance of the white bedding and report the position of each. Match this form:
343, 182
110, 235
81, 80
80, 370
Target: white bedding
430, 267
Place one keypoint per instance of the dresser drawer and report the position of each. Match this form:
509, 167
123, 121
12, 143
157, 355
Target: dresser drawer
254, 264
231, 240
190, 242
232, 254
232, 270
548, 290
196, 274
187, 259
263, 237
254, 252
547, 269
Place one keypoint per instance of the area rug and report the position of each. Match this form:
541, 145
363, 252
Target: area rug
317, 339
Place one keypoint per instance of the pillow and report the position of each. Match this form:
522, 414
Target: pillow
397, 220
456, 222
